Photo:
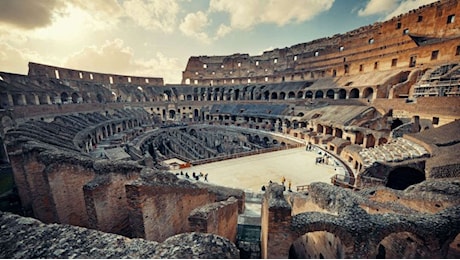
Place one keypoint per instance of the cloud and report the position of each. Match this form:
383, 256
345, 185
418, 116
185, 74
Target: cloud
29, 14
247, 14
378, 7
223, 30
391, 8
194, 24
153, 14
14, 60
406, 6
115, 57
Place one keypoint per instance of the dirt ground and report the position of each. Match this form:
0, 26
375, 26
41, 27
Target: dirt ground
250, 173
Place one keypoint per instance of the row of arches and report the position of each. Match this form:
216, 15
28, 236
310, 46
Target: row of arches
254, 94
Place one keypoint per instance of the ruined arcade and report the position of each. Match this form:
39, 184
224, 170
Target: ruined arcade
381, 103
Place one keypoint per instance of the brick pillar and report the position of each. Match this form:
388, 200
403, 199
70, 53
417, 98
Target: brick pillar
276, 238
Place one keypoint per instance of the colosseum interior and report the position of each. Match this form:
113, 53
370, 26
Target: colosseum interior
85, 154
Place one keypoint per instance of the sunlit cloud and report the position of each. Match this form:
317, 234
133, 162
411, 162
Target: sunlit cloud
245, 15
390, 8
14, 60
194, 25
153, 14
115, 57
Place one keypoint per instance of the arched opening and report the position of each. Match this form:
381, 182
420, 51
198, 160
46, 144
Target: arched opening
75, 98
454, 248
291, 95
282, 96
342, 93
354, 93
196, 114
368, 92
64, 97
274, 96
266, 95
403, 177
330, 94
319, 128
309, 94
317, 245
402, 245
382, 140
396, 123
100, 98
299, 94
237, 94
370, 141
172, 114
319, 94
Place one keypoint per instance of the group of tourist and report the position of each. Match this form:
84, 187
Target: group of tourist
194, 175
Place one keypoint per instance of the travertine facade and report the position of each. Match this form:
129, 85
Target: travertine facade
88, 149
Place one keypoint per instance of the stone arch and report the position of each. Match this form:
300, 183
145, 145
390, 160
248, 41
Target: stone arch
266, 141
319, 94
382, 140
7, 123
189, 97
317, 245
291, 95
44, 99
300, 94
196, 113
282, 96
237, 94
100, 98
64, 97
402, 177
453, 246
309, 222
354, 93
309, 94
330, 93
75, 98
319, 128
403, 244
172, 114
370, 140
342, 93
274, 95
266, 95
368, 92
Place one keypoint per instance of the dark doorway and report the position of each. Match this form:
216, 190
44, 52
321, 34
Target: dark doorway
403, 177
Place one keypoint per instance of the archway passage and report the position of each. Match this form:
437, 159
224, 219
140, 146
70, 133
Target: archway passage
317, 245
403, 177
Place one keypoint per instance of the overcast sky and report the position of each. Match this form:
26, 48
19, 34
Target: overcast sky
156, 37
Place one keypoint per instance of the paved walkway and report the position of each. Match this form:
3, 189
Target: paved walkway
252, 172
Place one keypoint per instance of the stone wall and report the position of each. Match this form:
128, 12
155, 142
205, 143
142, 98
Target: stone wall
160, 205
29, 238
41, 70
220, 218
347, 227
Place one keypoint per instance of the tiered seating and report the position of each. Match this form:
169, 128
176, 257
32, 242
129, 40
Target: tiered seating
397, 150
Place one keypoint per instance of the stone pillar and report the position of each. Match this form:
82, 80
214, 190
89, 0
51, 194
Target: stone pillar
336, 95
21, 100
276, 238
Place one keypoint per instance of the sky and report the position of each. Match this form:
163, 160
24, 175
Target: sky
155, 38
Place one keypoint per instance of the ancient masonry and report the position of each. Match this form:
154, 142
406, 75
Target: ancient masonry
90, 152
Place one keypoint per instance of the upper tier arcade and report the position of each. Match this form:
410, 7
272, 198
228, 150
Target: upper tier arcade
46, 71
423, 37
